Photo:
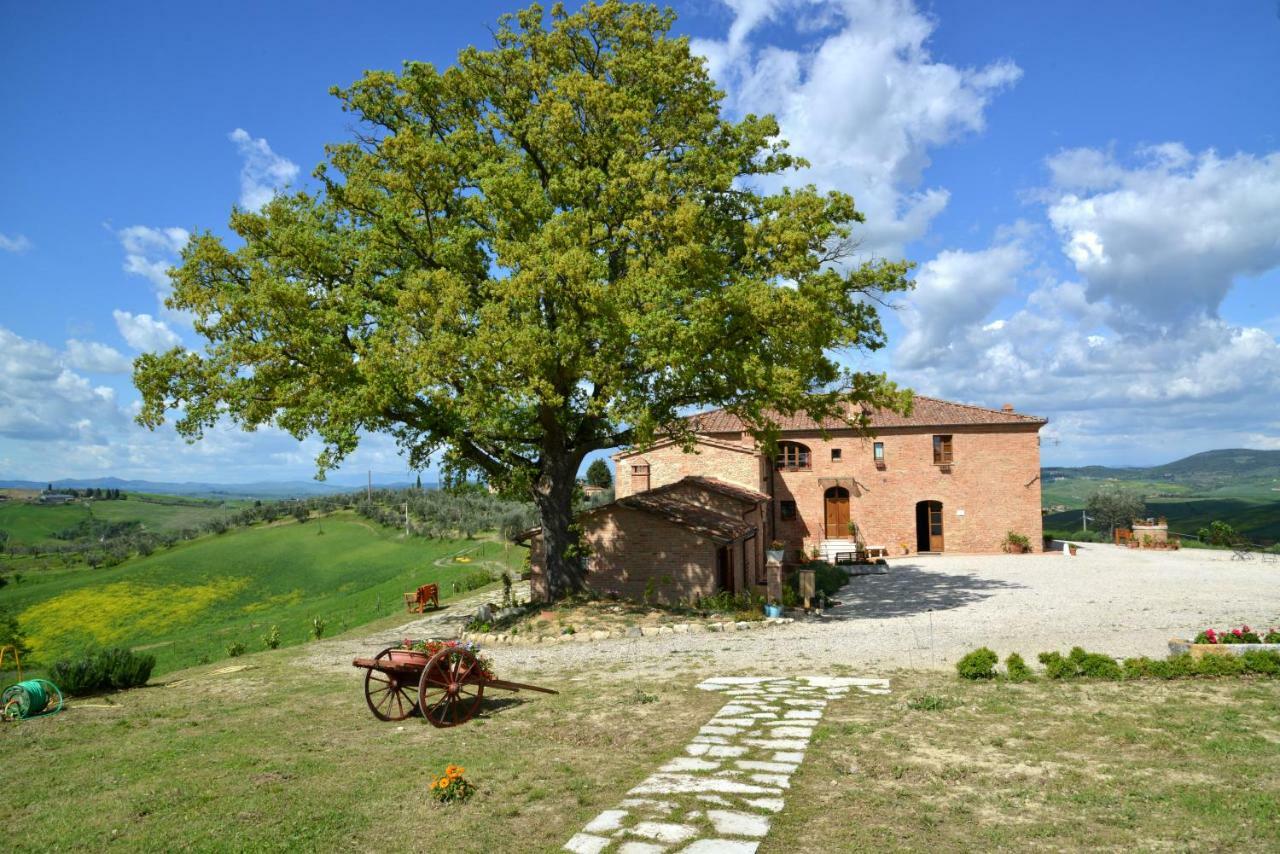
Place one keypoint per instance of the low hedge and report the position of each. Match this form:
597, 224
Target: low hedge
113, 669
1079, 664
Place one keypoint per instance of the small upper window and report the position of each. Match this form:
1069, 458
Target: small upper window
787, 509
877, 452
835, 454
793, 455
640, 477
942, 450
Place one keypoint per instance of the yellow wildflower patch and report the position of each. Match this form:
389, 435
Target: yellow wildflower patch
293, 597
123, 610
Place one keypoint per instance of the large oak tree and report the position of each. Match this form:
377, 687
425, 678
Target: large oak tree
554, 246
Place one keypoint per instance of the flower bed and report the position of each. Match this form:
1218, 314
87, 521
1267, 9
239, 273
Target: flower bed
1230, 642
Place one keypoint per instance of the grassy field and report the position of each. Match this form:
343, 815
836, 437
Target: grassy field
186, 604
36, 524
277, 757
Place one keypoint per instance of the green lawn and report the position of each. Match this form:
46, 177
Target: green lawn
185, 605
35, 524
278, 757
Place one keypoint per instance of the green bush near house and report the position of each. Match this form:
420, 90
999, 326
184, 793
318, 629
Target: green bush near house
1017, 669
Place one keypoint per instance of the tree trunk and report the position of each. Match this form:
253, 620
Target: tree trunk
553, 493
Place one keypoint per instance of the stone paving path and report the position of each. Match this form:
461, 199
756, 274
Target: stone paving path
719, 797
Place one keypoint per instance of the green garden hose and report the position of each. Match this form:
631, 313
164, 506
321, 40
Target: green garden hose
30, 699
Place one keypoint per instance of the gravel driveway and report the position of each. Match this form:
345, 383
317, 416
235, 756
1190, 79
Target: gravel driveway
927, 611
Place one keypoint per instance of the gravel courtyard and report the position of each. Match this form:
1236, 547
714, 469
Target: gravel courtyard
1106, 599
927, 611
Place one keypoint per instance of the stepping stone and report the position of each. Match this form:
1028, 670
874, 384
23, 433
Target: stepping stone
730, 823
720, 846
583, 843
788, 757
641, 848
725, 750
686, 763
663, 831
775, 767
606, 821
770, 804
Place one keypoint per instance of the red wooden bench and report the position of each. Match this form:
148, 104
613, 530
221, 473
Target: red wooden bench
416, 602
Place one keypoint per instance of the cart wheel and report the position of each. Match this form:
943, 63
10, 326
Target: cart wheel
451, 688
391, 696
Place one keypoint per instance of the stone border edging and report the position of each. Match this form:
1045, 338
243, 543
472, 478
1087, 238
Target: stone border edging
504, 639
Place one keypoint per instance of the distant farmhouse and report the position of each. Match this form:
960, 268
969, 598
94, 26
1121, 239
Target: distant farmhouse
948, 477
56, 498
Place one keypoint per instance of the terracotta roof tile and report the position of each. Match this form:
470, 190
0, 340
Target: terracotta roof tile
927, 412
717, 526
733, 490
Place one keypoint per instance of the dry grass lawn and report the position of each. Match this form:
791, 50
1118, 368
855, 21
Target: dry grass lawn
279, 757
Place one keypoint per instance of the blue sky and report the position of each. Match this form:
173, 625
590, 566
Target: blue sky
1091, 190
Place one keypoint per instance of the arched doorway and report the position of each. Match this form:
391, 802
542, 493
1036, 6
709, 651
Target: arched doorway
929, 526
836, 505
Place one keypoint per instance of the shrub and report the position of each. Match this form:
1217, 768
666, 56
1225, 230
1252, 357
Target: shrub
11, 633
235, 649
271, 640
1017, 668
979, 664
1080, 664
1262, 661
472, 581
108, 669
317, 627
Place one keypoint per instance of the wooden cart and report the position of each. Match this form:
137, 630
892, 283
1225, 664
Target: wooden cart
445, 687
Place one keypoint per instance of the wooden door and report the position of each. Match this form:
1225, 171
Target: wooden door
837, 513
935, 526
724, 569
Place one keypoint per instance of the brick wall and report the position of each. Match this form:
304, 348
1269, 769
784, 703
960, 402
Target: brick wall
993, 486
631, 548
669, 463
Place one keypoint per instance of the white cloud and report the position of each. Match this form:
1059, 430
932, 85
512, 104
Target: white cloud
1166, 238
263, 173
150, 252
95, 357
43, 399
144, 332
864, 102
955, 291
18, 243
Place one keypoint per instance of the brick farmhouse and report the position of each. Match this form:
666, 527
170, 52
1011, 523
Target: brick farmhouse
948, 477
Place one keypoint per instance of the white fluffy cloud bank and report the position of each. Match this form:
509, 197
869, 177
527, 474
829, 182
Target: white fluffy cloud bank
1169, 235
863, 101
144, 332
1132, 360
264, 172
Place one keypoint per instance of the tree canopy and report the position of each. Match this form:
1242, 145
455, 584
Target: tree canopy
1114, 508
556, 245
598, 474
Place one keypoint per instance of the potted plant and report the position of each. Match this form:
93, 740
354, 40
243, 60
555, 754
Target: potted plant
1016, 544
777, 551
1072, 548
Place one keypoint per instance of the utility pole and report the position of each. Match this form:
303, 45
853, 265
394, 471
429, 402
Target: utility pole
406, 520
369, 491
1084, 520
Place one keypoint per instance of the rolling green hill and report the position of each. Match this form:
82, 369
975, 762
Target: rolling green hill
1238, 486
188, 603
35, 524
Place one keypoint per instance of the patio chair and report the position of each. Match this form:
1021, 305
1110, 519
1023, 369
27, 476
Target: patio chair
1242, 551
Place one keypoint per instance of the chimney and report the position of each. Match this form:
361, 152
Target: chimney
1008, 407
